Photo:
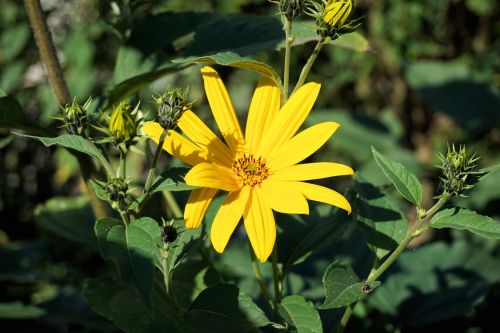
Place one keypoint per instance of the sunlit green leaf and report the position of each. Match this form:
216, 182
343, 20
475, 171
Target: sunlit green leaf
405, 182
464, 219
74, 142
171, 179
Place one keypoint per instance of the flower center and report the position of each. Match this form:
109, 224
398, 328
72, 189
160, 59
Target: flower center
251, 170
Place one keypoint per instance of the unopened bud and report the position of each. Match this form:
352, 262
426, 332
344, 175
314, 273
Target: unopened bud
123, 124
116, 190
459, 171
292, 8
171, 105
333, 17
75, 117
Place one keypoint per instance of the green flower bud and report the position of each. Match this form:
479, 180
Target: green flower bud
291, 8
459, 171
116, 190
171, 105
75, 117
122, 124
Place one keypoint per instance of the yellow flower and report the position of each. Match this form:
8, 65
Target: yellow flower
258, 169
337, 12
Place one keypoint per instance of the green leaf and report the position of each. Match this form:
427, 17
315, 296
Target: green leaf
223, 308
12, 116
99, 191
190, 279
133, 250
304, 236
301, 314
121, 305
143, 240
435, 282
185, 242
18, 310
71, 218
234, 60
464, 219
380, 219
405, 182
343, 287
74, 142
171, 179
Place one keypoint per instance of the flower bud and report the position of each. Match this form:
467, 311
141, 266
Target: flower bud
459, 171
291, 8
75, 117
336, 12
171, 105
116, 190
332, 17
122, 124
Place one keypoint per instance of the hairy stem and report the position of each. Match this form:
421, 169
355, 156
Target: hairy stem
286, 69
48, 56
151, 173
260, 279
413, 232
307, 67
276, 275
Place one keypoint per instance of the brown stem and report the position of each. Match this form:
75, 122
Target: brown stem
56, 78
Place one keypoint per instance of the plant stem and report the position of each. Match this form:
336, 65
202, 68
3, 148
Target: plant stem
149, 179
286, 70
413, 232
276, 275
172, 203
260, 280
307, 67
55, 74
125, 218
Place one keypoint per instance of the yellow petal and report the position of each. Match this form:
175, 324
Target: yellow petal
300, 146
212, 175
260, 226
222, 109
197, 205
263, 109
227, 218
289, 118
282, 196
323, 194
202, 136
310, 171
176, 144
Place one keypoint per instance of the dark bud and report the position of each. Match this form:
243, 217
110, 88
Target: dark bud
171, 105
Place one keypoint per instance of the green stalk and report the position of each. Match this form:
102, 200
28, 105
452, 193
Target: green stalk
172, 203
55, 74
260, 279
307, 67
410, 234
286, 70
151, 173
276, 275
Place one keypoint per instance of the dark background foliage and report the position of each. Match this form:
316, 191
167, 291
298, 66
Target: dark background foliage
431, 76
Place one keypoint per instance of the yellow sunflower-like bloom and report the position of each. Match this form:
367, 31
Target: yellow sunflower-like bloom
337, 12
258, 169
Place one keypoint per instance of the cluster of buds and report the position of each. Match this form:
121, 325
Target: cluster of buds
75, 117
459, 171
116, 191
171, 105
291, 8
333, 17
